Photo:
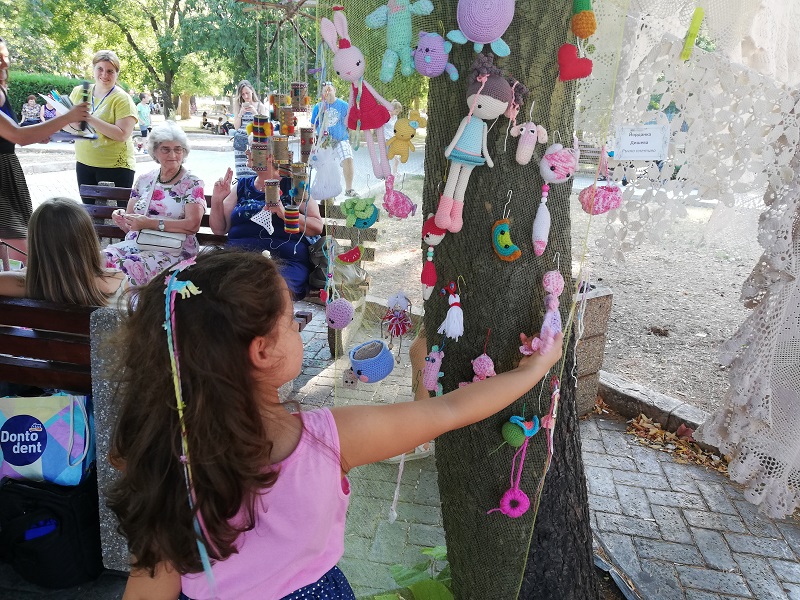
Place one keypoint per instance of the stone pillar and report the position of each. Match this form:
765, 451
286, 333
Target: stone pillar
591, 346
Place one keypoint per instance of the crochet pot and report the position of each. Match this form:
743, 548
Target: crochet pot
604, 199
371, 361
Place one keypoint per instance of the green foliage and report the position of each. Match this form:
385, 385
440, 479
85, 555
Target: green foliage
423, 580
21, 85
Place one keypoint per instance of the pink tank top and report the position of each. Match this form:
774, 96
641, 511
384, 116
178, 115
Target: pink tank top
299, 531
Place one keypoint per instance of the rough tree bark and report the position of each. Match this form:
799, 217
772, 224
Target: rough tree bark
489, 553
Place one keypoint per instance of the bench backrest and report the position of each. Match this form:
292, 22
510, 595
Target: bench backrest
45, 344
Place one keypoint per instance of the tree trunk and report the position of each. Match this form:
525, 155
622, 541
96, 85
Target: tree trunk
489, 553
169, 105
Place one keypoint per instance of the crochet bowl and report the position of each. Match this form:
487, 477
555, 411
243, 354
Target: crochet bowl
371, 361
600, 199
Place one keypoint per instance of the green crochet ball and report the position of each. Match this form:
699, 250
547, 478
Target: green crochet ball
513, 434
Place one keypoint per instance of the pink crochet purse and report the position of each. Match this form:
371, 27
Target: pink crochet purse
597, 200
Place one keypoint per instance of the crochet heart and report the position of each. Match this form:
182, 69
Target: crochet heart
570, 66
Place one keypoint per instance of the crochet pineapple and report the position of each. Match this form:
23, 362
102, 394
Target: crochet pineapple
584, 23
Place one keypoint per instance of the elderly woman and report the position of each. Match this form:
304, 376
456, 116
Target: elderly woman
168, 199
232, 211
31, 113
110, 157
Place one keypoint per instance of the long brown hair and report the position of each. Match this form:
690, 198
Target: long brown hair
242, 296
64, 262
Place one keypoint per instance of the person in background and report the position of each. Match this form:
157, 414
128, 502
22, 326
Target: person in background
269, 485
205, 123
388, 129
246, 107
143, 110
329, 117
110, 157
15, 199
48, 111
64, 260
168, 198
31, 113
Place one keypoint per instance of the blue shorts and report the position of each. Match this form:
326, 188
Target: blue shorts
331, 586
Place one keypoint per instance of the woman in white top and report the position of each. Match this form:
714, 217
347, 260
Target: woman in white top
246, 107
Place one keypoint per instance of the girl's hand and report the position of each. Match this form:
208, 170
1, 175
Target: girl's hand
138, 222
547, 360
222, 186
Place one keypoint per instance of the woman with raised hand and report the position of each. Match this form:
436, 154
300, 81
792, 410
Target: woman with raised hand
110, 156
15, 200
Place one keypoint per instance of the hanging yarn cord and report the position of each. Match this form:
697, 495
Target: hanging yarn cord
515, 502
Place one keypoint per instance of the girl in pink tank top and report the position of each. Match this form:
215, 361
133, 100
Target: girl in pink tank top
223, 493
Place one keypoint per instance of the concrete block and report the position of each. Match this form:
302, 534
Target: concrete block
690, 415
598, 309
589, 354
631, 399
587, 393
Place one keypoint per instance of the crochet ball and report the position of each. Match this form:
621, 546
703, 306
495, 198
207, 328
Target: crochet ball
339, 313
584, 24
513, 434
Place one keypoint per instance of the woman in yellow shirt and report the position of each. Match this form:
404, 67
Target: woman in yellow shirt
110, 157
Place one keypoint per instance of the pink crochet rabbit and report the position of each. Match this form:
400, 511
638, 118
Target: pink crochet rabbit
553, 284
368, 111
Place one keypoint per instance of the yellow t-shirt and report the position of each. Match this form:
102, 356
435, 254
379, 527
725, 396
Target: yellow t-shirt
104, 152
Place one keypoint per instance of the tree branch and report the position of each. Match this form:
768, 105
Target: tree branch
173, 12
139, 53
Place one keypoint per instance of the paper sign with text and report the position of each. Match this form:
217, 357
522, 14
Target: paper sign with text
642, 142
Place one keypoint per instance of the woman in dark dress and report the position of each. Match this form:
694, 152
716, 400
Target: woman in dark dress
15, 201
233, 209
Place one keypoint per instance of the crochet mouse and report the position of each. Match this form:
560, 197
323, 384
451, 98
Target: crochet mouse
368, 111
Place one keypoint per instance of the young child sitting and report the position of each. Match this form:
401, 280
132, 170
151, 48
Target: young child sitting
218, 472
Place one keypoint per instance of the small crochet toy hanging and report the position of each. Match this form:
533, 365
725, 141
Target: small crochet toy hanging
504, 248
541, 224
396, 203
483, 366
397, 320
559, 163
529, 134
431, 56
404, 131
597, 200
453, 324
583, 24
432, 372
432, 236
515, 502
396, 17
338, 311
482, 22
553, 284
360, 212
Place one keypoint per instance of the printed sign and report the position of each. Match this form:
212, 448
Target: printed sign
642, 142
22, 440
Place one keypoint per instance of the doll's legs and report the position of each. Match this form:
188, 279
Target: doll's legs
443, 218
385, 166
388, 65
456, 221
373, 154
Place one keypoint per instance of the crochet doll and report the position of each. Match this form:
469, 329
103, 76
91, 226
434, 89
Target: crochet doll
489, 95
396, 17
368, 111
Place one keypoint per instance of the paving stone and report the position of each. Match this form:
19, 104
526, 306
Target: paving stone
418, 513
700, 595
425, 535
607, 461
616, 443
788, 571
592, 445
760, 577
757, 523
427, 492
676, 499
604, 504
716, 498
748, 544
791, 533
714, 548
679, 477
671, 524
792, 590
646, 459
360, 572
600, 482
356, 546
389, 542
657, 579
710, 520
626, 525
611, 424
621, 551
634, 502
650, 481
589, 430
713, 581
683, 554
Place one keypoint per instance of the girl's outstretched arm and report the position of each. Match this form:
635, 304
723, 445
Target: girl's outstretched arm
369, 434
164, 585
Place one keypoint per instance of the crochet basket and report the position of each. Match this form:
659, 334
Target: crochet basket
597, 200
371, 361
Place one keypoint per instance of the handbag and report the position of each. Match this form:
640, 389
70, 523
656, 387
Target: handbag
50, 534
160, 241
49, 438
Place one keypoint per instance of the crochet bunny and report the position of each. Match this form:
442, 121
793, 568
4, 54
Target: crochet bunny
396, 17
553, 284
326, 174
529, 134
404, 130
397, 204
430, 56
482, 23
489, 95
368, 111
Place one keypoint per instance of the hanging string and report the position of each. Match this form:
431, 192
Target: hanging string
258, 53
